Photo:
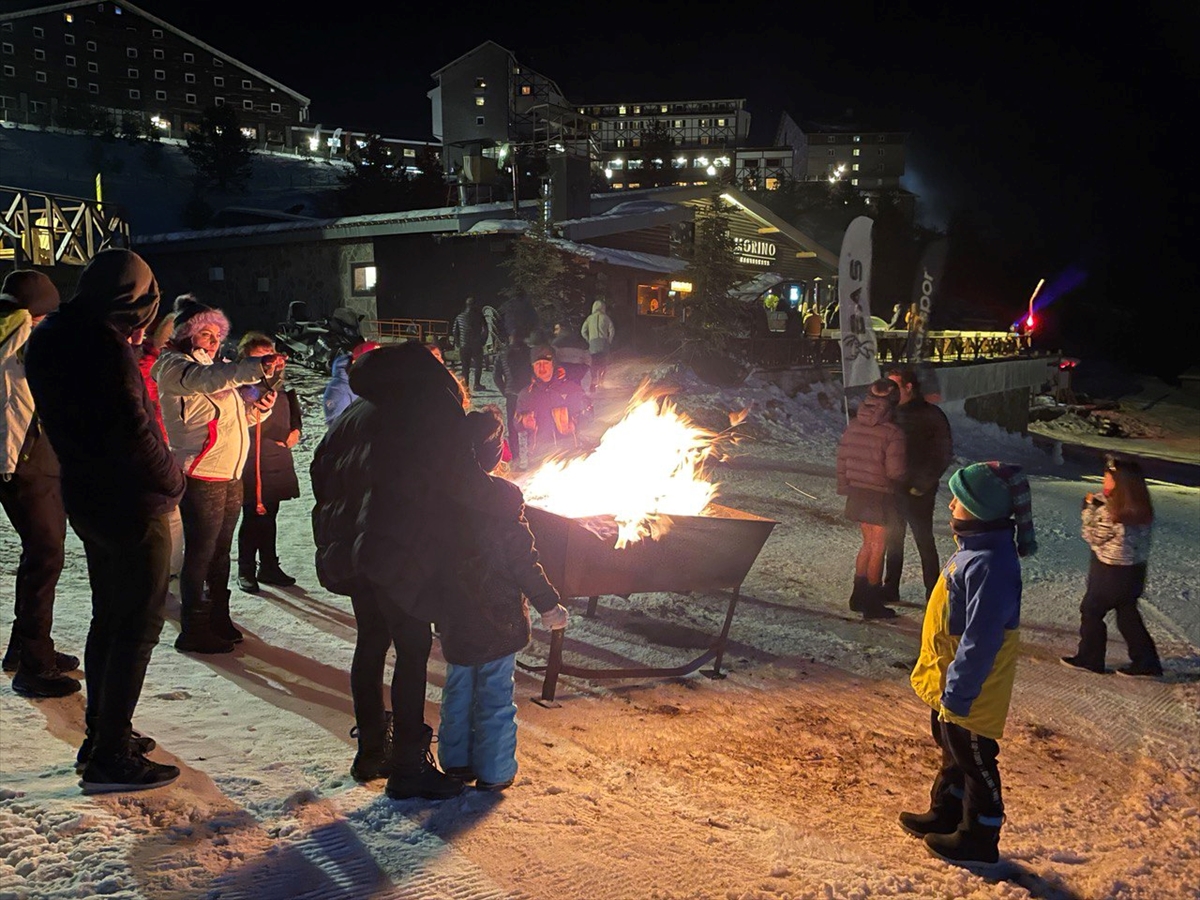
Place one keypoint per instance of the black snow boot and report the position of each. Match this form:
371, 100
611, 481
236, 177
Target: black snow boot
975, 844
415, 774
373, 759
873, 604
245, 577
858, 597
222, 625
270, 573
196, 634
943, 817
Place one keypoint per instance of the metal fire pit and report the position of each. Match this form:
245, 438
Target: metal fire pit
705, 553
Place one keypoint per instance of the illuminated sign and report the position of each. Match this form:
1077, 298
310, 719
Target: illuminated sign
754, 251
682, 287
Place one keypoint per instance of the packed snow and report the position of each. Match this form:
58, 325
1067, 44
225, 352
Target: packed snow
781, 782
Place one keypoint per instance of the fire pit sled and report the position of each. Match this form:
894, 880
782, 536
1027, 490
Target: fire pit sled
705, 553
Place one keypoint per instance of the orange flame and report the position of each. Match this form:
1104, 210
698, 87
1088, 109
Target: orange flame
647, 467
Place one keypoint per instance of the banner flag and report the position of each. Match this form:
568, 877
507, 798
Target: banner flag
925, 290
859, 362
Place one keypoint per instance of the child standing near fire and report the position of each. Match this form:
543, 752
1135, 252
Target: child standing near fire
968, 661
487, 621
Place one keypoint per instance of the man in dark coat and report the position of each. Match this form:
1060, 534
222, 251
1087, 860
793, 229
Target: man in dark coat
512, 373
519, 317
469, 335
31, 494
928, 451
387, 478
119, 485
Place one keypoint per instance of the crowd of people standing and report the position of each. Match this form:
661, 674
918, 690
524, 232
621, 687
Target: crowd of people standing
176, 444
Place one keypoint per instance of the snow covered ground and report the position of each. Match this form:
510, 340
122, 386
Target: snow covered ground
782, 781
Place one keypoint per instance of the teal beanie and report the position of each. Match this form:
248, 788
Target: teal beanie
982, 492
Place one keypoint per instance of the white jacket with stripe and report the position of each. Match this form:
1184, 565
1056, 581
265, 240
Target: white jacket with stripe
203, 412
16, 402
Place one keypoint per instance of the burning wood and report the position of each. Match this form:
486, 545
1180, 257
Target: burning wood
647, 467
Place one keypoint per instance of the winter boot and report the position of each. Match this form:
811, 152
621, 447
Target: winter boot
858, 597
943, 817
373, 759
976, 844
270, 573
138, 744
196, 634
245, 578
414, 773
222, 625
873, 606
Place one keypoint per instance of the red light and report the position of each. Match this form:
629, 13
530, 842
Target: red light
1029, 321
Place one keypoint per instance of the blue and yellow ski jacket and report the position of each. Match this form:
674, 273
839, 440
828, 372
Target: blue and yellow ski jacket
970, 637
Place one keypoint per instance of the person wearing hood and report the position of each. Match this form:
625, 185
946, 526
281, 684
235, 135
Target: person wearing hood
390, 479
968, 661
119, 483
209, 435
598, 330
337, 394
870, 467
31, 494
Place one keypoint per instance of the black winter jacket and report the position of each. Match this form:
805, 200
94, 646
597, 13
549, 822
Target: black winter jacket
513, 371
927, 443
388, 476
92, 401
274, 457
486, 610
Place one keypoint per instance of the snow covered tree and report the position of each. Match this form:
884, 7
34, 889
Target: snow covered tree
712, 315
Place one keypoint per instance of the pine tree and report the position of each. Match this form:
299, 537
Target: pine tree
220, 152
712, 315
535, 267
375, 183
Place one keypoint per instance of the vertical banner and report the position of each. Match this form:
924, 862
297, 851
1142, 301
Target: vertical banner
859, 363
925, 289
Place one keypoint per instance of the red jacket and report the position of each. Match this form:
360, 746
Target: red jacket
145, 361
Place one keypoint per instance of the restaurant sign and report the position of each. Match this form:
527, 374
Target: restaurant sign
754, 251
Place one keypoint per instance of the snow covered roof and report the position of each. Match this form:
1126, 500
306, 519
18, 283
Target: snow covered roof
647, 262
633, 215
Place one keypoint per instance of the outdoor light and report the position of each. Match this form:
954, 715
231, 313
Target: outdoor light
711, 170
314, 143
608, 173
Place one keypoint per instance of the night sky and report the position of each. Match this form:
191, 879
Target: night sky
1059, 127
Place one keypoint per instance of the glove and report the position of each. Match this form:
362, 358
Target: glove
555, 619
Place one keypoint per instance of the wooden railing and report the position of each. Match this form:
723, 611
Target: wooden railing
399, 330
775, 350
51, 230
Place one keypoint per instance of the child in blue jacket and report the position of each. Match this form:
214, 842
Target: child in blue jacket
487, 621
968, 661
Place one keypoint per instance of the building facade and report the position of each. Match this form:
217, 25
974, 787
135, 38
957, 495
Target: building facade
75, 65
869, 160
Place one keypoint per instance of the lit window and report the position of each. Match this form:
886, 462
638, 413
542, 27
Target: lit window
93, 88
526, 90
190, 98
362, 278
39, 76
70, 62
858, 139
189, 77
620, 142
480, 84
131, 52
92, 67
854, 181
135, 94
854, 168
68, 18
662, 109
39, 54
189, 57
479, 101
275, 107
636, 142
160, 95
720, 123
39, 32
704, 139
159, 53
856, 151
69, 39
246, 85
410, 153
218, 81
620, 110
678, 123
160, 75
617, 185
479, 120
637, 110
250, 134
247, 104
72, 82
